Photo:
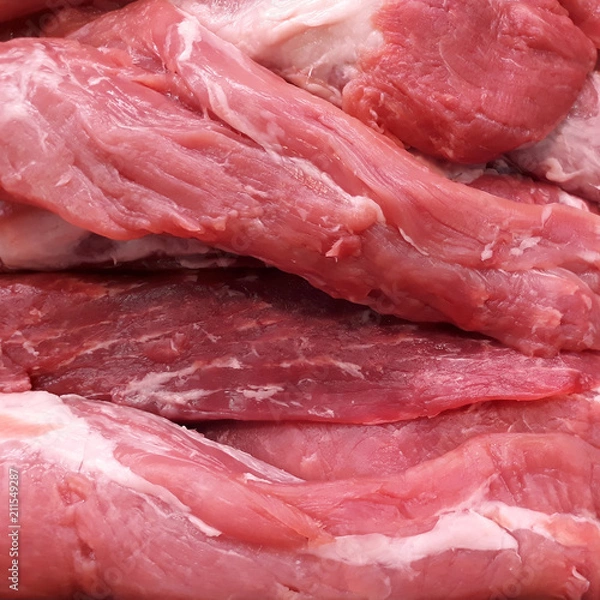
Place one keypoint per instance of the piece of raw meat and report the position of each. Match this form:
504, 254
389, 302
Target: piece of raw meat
570, 155
35, 239
325, 451
267, 170
130, 505
256, 344
454, 78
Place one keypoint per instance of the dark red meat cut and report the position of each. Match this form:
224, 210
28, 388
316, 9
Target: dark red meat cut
325, 451
12, 377
465, 80
256, 344
113, 494
325, 197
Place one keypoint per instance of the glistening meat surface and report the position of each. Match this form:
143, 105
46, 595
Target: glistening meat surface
114, 495
459, 79
255, 344
325, 196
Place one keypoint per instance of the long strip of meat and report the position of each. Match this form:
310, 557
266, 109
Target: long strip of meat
255, 344
129, 505
270, 171
325, 451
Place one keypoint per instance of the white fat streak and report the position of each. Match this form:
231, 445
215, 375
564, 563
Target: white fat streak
329, 363
463, 531
570, 200
559, 172
261, 392
189, 32
514, 518
74, 445
171, 398
38, 239
231, 362
271, 22
131, 250
547, 212
488, 251
349, 368
25, 344
411, 242
152, 382
525, 244
156, 383
323, 413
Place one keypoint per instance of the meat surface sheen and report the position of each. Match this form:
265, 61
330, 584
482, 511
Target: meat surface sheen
458, 79
325, 197
256, 344
114, 495
325, 451
570, 155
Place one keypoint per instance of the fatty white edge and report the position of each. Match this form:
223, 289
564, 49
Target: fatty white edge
75, 446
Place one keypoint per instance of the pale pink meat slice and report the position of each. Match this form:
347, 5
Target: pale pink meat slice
129, 505
324, 451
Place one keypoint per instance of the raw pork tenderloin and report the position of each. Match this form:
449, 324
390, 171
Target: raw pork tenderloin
325, 197
326, 451
129, 505
251, 345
